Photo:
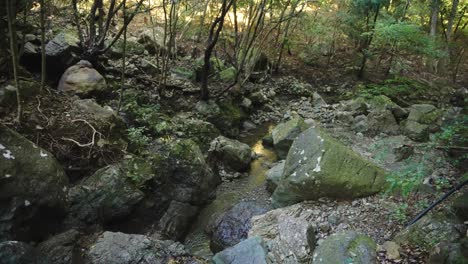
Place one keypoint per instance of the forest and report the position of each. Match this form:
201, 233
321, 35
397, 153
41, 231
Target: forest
233, 131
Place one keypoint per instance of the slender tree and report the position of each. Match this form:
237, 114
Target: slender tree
124, 55
11, 17
213, 37
43, 54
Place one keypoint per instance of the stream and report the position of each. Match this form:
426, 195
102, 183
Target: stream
247, 188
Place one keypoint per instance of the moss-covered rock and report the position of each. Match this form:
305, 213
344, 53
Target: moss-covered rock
431, 230
319, 166
184, 175
110, 193
233, 154
32, 183
62, 51
28, 88
450, 253
226, 115
460, 205
347, 247
422, 120
228, 75
285, 133
132, 48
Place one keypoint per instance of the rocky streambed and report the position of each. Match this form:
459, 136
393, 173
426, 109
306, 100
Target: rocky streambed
316, 187
247, 186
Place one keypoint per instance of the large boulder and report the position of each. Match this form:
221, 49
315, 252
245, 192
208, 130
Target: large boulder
58, 249
431, 230
62, 51
177, 220
285, 133
132, 47
422, 120
16, 252
152, 39
183, 174
110, 193
460, 206
83, 80
319, 166
233, 154
450, 253
120, 248
289, 235
381, 121
227, 116
33, 188
233, 225
346, 247
200, 131
249, 251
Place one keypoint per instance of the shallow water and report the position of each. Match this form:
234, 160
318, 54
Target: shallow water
229, 193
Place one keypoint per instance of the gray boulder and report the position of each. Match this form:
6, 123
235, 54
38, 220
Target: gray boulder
109, 193
132, 47
288, 232
431, 230
422, 120
83, 80
58, 249
182, 172
450, 253
319, 166
460, 206
177, 220
120, 248
232, 153
152, 39
273, 176
233, 225
32, 184
62, 51
381, 121
16, 252
285, 133
249, 251
227, 116
346, 247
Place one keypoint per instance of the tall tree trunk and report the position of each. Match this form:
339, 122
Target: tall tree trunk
11, 17
451, 20
43, 54
434, 16
368, 42
124, 55
215, 30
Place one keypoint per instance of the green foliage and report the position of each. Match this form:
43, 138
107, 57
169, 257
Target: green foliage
400, 212
395, 87
405, 37
137, 137
408, 179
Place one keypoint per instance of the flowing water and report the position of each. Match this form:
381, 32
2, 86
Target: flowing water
229, 193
